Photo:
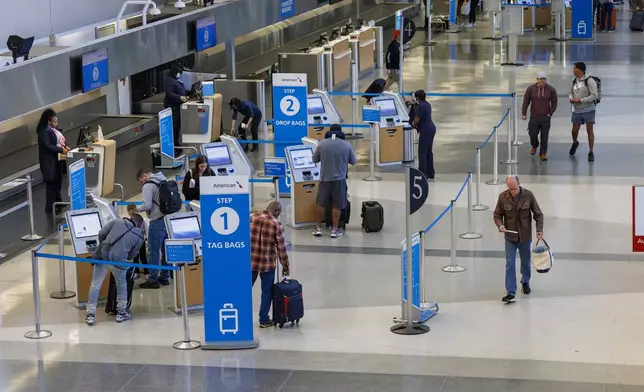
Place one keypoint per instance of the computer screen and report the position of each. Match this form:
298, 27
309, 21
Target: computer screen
185, 228
218, 155
387, 107
315, 105
86, 225
302, 158
95, 70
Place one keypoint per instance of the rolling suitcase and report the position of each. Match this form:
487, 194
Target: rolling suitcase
637, 21
288, 301
345, 215
110, 305
376, 87
373, 216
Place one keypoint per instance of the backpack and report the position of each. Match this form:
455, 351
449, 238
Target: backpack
169, 197
599, 87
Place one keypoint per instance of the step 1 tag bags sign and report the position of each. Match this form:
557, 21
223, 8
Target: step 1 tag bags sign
542, 257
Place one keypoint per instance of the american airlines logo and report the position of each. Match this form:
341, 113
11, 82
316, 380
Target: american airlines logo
228, 185
292, 80
224, 185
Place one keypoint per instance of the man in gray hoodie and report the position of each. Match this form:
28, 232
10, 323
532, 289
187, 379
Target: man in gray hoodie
157, 232
583, 96
119, 240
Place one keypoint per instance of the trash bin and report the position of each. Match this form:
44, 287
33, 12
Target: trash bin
155, 153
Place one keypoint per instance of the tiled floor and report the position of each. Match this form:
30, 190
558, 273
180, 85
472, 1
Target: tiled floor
580, 330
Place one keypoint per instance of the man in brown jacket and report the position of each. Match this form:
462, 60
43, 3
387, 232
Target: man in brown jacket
542, 99
513, 216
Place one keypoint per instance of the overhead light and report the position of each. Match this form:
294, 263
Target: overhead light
179, 5
154, 11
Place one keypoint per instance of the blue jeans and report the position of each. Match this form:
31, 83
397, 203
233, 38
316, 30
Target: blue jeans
511, 248
268, 278
98, 276
156, 237
606, 22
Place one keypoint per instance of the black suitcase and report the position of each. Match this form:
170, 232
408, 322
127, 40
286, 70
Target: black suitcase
637, 21
288, 302
110, 305
376, 87
373, 216
345, 215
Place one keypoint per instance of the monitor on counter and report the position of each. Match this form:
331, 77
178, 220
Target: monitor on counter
387, 107
185, 228
86, 225
315, 105
302, 158
218, 155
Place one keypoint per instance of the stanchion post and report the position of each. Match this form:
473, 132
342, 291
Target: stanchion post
478, 206
470, 234
495, 178
32, 236
372, 155
380, 47
355, 76
63, 293
453, 267
515, 117
37, 333
276, 190
428, 17
510, 160
186, 343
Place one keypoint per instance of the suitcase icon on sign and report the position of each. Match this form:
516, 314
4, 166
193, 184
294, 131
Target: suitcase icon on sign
228, 320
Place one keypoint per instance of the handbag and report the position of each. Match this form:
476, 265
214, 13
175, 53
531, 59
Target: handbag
542, 257
465, 8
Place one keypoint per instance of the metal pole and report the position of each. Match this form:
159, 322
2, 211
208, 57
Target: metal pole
355, 53
37, 333
63, 293
276, 190
402, 54
321, 72
372, 155
453, 267
478, 206
32, 236
428, 15
493, 25
380, 47
421, 268
515, 114
558, 26
509, 161
470, 234
513, 41
495, 177
186, 343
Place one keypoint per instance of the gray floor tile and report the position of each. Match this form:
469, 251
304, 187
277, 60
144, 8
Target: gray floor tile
304, 381
463, 384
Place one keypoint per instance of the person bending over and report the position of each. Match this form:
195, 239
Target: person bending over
252, 119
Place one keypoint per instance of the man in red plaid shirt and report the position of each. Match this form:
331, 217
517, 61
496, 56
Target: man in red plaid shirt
267, 245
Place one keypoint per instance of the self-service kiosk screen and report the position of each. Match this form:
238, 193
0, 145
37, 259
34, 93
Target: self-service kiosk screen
302, 158
315, 105
185, 228
218, 155
387, 107
86, 225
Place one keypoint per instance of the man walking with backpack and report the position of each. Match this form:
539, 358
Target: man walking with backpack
585, 94
160, 198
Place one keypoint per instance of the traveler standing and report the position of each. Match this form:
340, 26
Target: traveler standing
252, 119
190, 187
542, 100
583, 95
142, 258
515, 209
267, 246
51, 145
175, 95
422, 121
607, 8
474, 4
392, 60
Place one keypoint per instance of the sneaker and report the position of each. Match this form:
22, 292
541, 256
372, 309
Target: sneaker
254, 148
150, 285
164, 282
533, 150
573, 148
336, 233
90, 319
591, 157
543, 157
123, 316
317, 232
469, 26
526, 288
267, 324
508, 299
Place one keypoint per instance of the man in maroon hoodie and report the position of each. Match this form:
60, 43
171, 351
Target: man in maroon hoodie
542, 100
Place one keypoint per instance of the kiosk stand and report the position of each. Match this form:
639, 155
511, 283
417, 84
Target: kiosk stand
389, 136
165, 153
305, 180
354, 43
493, 8
322, 114
559, 11
512, 26
276, 168
371, 116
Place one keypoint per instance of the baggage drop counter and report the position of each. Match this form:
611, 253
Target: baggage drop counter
389, 135
305, 181
322, 114
201, 120
187, 226
100, 165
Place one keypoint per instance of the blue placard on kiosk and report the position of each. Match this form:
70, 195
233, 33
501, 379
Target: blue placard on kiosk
228, 301
415, 267
77, 185
166, 133
371, 114
179, 251
206, 33
208, 88
274, 167
582, 19
290, 113
95, 70
287, 8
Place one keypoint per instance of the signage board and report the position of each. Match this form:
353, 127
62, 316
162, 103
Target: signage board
95, 70
274, 167
370, 114
582, 19
77, 185
415, 270
206, 33
418, 188
166, 133
287, 9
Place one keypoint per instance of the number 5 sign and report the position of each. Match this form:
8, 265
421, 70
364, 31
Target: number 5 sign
418, 189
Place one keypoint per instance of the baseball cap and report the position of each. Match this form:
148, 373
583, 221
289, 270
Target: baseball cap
542, 75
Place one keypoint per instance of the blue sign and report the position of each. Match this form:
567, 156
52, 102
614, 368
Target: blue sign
206, 33
287, 8
228, 299
415, 270
274, 167
370, 114
179, 251
453, 5
582, 19
166, 133
95, 70
77, 185
290, 113
208, 88
399, 20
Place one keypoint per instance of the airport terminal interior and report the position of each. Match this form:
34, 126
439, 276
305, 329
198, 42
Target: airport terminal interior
580, 329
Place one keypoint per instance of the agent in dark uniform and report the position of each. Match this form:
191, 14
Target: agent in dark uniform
51, 143
427, 130
175, 95
252, 119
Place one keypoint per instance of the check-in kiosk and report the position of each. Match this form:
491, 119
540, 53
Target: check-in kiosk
100, 161
201, 120
389, 135
305, 181
187, 226
84, 226
219, 158
322, 113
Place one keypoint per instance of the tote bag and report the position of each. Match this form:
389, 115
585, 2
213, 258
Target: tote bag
465, 9
542, 257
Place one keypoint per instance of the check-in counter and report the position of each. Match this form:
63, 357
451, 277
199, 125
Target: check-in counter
367, 38
543, 16
528, 18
